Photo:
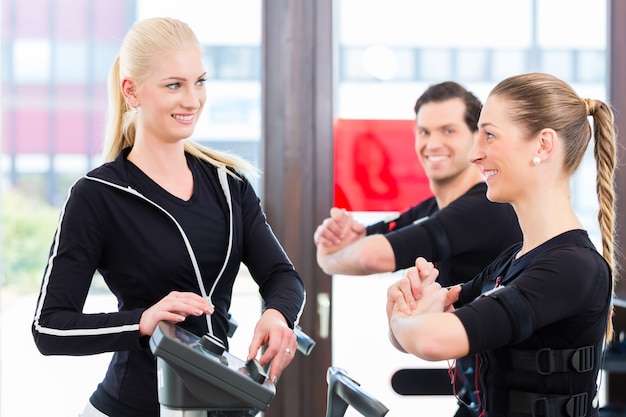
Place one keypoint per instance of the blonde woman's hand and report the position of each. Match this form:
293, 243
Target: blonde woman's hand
174, 307
279, 340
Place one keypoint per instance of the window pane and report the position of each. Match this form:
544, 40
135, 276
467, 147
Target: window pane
591, 66
473, 65
436, 65
70, 62
558, 63
31, 61
508, 62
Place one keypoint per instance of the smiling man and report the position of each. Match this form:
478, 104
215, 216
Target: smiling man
458, 229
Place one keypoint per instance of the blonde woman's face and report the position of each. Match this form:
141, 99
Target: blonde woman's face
172, 96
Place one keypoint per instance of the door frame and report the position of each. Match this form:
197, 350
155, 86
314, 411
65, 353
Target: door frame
297, 93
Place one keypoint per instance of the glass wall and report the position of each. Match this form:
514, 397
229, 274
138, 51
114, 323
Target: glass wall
55, 58
388, 54
56, 55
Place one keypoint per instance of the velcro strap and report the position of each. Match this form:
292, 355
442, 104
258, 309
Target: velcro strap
547, 361
542, 405
518, 311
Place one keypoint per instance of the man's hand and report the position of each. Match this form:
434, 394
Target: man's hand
337, 231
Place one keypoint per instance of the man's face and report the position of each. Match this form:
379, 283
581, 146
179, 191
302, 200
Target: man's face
443, 140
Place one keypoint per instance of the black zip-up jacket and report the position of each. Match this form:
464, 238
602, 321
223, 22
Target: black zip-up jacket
145, 243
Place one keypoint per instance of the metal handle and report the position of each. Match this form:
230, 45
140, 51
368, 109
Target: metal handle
323, 310
344, 391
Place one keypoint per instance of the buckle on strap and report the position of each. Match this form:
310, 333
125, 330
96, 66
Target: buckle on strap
576, 406
543, 405
544, 361
547, 361
582, 359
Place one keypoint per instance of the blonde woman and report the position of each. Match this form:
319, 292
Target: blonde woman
167, 223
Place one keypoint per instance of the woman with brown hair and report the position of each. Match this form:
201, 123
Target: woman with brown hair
536, 318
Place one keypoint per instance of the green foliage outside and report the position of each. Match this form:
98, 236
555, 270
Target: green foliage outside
28, 226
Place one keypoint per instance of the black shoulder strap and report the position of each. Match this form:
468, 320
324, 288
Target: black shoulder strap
517, 309
442, 243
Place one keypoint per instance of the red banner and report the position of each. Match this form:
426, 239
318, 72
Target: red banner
376, 167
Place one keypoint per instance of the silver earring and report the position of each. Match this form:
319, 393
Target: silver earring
536, 160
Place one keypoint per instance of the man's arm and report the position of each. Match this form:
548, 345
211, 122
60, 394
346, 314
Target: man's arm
368, 255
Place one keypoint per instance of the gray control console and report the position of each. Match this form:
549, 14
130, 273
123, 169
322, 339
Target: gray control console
194, 376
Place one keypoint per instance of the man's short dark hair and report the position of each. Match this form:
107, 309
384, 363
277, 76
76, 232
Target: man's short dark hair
448, 90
